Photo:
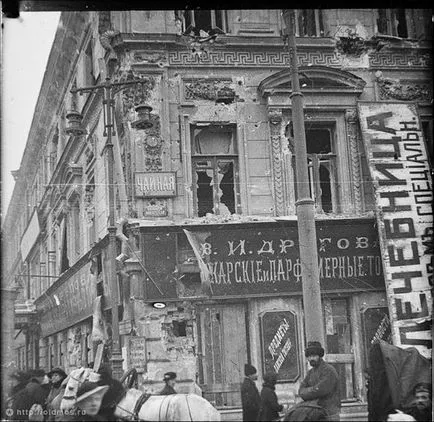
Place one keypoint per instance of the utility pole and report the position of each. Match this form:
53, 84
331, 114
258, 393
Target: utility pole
305, 205
108, 106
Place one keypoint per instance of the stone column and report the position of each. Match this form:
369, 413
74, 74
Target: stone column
275, 122
351, 121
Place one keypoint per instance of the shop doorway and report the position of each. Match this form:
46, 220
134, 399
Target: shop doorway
223, 351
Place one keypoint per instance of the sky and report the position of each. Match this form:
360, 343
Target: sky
26, 44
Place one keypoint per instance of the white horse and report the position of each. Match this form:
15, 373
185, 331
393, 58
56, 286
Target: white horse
136, 405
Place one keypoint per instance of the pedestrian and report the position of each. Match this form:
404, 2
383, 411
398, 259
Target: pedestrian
57, 386
34, 393
321, 383
420, 406
170, 381
250, 397
113, 395
56, 375
18, 381
270, 407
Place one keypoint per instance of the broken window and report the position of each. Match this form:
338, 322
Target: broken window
210, 21
322, 167
214, 169
392, 22
309, 23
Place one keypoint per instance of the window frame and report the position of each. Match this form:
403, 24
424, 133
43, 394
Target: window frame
318, 21
215, 158
181, 14
344, 358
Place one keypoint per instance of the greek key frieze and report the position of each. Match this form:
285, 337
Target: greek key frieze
252, 58
401, 59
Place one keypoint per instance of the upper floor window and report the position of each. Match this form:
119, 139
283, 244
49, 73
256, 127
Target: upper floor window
215, 169
392, 22
309, 23
209, 21
322, 166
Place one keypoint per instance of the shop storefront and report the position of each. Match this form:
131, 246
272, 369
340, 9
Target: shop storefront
252, 311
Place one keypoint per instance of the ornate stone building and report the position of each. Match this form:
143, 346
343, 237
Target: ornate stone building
210, 183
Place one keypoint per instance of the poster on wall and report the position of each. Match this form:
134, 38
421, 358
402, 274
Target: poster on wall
399, 168
280, 345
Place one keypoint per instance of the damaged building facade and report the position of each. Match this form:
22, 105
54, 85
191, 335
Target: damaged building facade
208, 268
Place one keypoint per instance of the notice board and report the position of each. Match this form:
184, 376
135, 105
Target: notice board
279, 341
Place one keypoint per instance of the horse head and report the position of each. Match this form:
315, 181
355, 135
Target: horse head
74, 380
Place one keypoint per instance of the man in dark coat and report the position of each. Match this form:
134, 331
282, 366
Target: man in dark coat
35, 392
170, 381
270, 407
250, 398
321, 383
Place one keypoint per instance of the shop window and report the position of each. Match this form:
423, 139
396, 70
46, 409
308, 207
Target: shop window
339, 349
309, 23
321, 167
392, 22
214, 169
209, 21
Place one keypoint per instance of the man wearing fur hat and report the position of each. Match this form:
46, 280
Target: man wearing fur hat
250, 397
321, 383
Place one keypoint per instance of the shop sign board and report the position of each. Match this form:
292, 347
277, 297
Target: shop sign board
69, 303
263, 259
155, 184
137, 353
400, 171
280, 345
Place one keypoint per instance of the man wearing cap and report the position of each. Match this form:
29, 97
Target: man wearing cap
170, 381
321, 383
250, 398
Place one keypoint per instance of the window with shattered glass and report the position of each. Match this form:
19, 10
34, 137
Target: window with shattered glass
214, 169
321, 166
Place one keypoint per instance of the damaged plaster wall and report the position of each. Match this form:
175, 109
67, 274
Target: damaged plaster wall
170, 345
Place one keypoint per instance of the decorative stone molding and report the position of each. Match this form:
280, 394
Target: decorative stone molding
151, 57
401, 59
137, 94
153, 146
275, 123
206, 89
403, 90
351, 119
89, 203
219, 58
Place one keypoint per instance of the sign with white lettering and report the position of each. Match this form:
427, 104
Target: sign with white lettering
400, 171
263, 258
138, 353
155, 184
70, 303
280, 345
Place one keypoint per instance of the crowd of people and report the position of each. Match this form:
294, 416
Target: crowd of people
320, 395
37, 395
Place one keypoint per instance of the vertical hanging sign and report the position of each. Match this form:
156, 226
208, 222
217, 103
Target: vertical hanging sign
399, 168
